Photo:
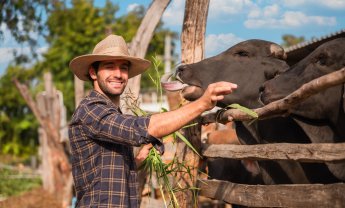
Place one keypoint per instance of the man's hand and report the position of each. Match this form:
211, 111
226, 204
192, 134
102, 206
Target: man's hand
216, 92
143, 153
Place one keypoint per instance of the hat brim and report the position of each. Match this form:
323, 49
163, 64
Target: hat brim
81, 64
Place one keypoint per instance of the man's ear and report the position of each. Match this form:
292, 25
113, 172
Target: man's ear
92, 73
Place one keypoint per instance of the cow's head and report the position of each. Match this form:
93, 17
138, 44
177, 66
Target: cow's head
248, 64
327, 58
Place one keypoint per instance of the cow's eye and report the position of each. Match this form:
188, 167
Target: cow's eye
243, 53
270, 74
322, 60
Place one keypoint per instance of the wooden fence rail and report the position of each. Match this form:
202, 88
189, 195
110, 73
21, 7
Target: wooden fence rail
320, 152
296, 195
292, 195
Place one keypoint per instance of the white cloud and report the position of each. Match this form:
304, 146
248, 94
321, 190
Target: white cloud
271, 10
173, 15
5, 55
131, 7
294, 3
333, 4
290, 19
254, 12
219, 8
215, 44
268, 11
7, 39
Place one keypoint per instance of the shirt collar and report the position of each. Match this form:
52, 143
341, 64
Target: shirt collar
97, 94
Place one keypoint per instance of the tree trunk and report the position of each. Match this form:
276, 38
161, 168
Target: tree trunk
78, 90
138, 46
56, 173
192, 40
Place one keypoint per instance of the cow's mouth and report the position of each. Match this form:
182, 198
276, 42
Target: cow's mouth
189, 92
172, 85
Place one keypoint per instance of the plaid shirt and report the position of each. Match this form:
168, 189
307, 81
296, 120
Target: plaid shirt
103, 164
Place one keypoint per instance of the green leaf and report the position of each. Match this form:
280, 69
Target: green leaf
25, 124
244, 109
185, 140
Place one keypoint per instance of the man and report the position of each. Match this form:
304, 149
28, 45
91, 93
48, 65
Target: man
101, 137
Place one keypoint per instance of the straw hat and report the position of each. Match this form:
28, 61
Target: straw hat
111, 48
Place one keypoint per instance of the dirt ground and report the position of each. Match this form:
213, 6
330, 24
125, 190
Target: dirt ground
36, 198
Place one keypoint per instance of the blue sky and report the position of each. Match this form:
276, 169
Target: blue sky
232, 21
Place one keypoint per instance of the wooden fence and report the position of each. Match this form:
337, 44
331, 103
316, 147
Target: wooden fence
294, 195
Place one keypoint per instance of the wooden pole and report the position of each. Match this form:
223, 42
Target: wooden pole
192, 40
320, 152
282, 106
296, 195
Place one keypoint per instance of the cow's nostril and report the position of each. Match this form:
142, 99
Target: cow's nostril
181, 69
262, 88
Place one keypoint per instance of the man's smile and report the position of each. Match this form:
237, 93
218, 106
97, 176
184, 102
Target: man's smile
115, 83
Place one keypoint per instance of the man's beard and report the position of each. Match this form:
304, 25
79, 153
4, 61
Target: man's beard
103, 86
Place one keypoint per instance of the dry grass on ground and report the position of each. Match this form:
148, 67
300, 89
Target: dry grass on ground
36, 198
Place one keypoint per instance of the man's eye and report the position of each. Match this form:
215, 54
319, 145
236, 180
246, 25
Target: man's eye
109, 66
125, 68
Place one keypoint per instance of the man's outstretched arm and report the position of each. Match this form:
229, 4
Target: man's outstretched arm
166, 123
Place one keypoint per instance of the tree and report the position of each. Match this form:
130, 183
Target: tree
18, 128
72, 30
68, 38
290, 40
24, 21
129, 24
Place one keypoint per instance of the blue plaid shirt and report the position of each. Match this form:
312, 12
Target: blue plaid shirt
103, 164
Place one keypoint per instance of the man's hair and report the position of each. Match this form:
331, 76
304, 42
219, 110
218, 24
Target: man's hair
95, 66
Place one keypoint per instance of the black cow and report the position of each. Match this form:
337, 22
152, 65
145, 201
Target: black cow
249, 64
322, 116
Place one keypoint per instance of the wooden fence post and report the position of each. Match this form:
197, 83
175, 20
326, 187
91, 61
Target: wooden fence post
192, 46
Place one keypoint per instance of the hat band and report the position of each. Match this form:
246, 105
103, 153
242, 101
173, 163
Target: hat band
114, 51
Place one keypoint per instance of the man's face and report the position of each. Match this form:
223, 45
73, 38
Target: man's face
111, 78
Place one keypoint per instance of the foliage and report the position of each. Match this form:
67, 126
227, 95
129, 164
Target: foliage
72, 28
129, 24
13, 182
24, 20
290, 40
68, 39
154, 164
164, 172
244, 109
18, 127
